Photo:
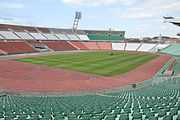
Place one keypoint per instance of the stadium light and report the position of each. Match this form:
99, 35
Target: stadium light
78, 16
109, 33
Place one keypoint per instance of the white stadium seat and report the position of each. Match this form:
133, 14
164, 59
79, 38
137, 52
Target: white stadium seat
118, 46
132, 46
162, 46
83, 37
72, 37
38, 36
9, 35
145, 47
159, 47
24, 35
62, 36
1, 37
50, 36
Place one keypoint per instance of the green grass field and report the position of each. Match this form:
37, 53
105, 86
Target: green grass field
100, 63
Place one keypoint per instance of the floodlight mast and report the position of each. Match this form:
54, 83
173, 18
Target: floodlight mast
78, 16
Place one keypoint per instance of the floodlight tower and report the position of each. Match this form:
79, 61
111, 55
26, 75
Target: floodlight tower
109, 33
78, 16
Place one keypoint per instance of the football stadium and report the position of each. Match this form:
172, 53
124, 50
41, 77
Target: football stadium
75, 74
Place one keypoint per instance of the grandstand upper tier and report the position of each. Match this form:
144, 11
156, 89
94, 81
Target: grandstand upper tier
14, 32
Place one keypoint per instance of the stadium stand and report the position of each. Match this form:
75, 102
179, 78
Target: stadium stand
104, 45
98, 40
30, 29
50, 36
118, 46
173, 49
9, 35
39, 46
38, 36
132, 46
154, 49
6, 27
83, 37
154, 99
16, 47
162, 46
2, 52
72, 37
158, 47
177, 66
1, 37
17, 28
79, 45
106, 37
91, 45
24, 35
150, 102
59, 45
62, 36
43, 30
145, 47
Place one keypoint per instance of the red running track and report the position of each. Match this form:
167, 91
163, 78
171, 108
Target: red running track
26, 77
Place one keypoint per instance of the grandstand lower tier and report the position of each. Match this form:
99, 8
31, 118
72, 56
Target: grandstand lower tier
15, 47
30, 46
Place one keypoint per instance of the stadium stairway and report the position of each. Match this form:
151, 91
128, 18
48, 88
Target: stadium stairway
79, 45
73, 45
2, 52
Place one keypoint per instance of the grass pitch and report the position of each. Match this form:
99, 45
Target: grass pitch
100, 63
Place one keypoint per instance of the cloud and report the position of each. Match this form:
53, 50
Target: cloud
149, 9
133, 9
174, 6
13, 20
98, 2
10, 5
138, 15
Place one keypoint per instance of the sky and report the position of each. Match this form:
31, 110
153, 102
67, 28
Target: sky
139, 18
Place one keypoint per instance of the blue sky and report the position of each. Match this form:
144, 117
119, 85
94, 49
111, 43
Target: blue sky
139, 18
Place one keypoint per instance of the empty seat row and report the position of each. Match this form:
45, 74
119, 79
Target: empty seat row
142, 47
40, 36
132, 46
59, 45
16, 47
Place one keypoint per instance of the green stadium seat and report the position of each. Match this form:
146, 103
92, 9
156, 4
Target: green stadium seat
137, 116
124, 117
168, 117
178, 117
